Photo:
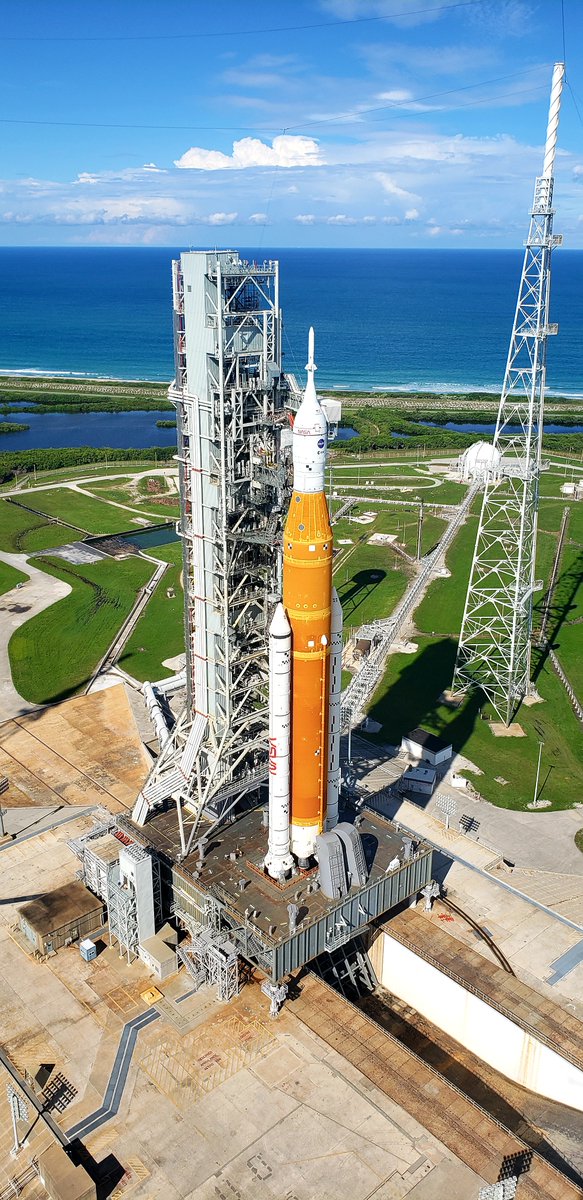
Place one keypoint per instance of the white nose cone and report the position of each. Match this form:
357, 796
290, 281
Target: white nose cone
310, 435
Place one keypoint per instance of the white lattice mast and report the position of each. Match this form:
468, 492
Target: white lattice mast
494, 646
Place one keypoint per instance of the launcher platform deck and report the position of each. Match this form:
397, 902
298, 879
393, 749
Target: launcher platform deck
231, 876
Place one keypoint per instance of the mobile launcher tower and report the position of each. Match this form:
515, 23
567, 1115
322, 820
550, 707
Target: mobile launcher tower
263, 634
232, 404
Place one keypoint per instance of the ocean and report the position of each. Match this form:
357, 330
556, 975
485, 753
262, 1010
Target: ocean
405, 320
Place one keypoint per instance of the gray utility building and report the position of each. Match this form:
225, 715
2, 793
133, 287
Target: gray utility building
58, 918
420, 744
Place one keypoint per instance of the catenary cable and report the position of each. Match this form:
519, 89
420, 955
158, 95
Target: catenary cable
225, 33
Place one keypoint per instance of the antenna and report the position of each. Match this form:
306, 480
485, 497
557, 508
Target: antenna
495, 638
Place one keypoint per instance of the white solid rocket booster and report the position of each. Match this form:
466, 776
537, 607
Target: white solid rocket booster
334, 711
279, 861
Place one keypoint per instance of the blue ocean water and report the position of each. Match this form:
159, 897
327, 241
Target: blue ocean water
429, 320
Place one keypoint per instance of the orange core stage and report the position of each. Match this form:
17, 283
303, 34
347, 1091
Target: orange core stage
307, 593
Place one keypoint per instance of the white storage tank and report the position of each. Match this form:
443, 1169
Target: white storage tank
481, 460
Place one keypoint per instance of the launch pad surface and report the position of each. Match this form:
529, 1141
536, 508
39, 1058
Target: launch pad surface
230, 880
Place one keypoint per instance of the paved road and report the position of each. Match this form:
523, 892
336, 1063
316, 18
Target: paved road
16, 607
119, 1072
117, 1079
78, 484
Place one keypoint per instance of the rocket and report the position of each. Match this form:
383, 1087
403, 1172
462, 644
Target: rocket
305, 657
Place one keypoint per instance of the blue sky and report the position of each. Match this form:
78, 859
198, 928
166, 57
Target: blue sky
312, 123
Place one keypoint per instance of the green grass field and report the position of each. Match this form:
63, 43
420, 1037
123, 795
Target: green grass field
409, 696
399, 520
565, 627
441, 610
159, 634
84, 512
66, 474
23, 532
55, 653
9, 577
419, 488
140, 494
410, 690
369, 584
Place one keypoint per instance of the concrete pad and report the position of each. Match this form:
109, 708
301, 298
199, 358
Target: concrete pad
514, 730
76, 552
296, 1121
446, 1179
86, 750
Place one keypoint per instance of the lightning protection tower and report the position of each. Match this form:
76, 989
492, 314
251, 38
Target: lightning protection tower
231, 404
494, 646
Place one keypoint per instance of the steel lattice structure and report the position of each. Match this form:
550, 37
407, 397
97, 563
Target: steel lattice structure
232, 403
495, 638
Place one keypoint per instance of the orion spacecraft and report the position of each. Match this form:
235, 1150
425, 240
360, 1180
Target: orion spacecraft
305, 658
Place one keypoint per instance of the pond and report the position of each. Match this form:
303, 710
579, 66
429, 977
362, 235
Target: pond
122, 430
147, 539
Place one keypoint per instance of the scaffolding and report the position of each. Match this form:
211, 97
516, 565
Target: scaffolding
495, 641
211, 959
122, 915
232, 405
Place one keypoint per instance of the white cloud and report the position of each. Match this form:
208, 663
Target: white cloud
251, 79
412, 214
286, 150
305, 219
126, 176
403, 99
121, 210
258, 219
341, 219
218, 218
408, 13
392, 189
435, 230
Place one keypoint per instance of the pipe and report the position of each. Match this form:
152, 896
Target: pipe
156, 714
172, 684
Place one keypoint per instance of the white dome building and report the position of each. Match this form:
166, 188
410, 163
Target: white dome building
479, 461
